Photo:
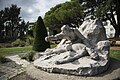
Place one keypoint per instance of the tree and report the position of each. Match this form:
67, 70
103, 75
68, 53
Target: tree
11, 26
12, 20
23, 29
31, 29
40, 33
103, 9
69, 13
111, 8
1, 26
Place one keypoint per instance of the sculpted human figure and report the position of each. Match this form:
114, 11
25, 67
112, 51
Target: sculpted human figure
71, 34
76, 43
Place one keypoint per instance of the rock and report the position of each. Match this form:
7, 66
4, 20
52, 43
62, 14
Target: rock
18, 60
93, 30
37, 56
86, 52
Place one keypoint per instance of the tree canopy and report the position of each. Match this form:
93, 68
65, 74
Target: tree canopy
67, 13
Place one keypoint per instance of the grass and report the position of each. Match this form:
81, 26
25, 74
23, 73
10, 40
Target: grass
53, 45
115, 54
7, 51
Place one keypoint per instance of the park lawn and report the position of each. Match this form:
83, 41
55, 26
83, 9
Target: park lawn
8, 51
115, 54
53, 45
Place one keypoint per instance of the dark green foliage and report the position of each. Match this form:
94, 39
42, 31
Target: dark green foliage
28, 56
5, 45
40, 33
18, 43
3, 59
67, 13
11, 24
29, 40
30, 33
23, 28
30, 29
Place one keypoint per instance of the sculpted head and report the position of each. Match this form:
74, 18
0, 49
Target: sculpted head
65, 28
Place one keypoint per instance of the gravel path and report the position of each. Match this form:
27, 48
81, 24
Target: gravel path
9, 70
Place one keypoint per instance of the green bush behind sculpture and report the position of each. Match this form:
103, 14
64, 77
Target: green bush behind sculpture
40, 33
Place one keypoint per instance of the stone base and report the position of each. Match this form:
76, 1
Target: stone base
82, 66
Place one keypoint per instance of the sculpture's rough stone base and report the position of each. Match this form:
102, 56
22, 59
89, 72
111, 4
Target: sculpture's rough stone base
82, 66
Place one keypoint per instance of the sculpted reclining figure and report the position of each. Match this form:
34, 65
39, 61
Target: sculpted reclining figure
76, 43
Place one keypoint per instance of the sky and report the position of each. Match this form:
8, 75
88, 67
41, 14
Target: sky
31, 9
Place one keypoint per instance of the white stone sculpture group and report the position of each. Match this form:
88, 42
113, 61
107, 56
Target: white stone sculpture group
82, 51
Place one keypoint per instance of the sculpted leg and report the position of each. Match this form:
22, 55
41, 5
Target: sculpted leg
71, 59
93, 54
55, 50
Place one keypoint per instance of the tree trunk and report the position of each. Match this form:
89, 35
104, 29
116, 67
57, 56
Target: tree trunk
118, 19
117, 31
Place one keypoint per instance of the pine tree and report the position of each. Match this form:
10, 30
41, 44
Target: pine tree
40, 33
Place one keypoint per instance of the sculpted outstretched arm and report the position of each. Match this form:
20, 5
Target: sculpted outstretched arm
50, 38
79, 34
56, 37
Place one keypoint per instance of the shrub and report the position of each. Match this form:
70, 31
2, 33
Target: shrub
1, 46
40, 33
29, 40
22, 43
28, 56
3, 59
19, 43
16, 43
5, 45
